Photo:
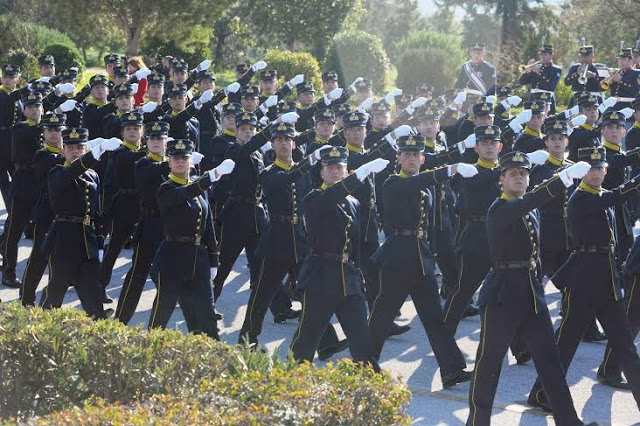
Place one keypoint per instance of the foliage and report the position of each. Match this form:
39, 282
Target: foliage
289, 64
65, 56
358, 54
51, 361
192, 44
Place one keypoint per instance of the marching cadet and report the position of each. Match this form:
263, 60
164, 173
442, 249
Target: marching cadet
282, 246
44, 160
10, 113
583, 76
330, 276
182, 123
543, 76
512, 298
585, 135
364, 89
123, 99
150, 172
47, 68
406, 260
341, 110
625, 83
26, 139
74, 242
269, 87
187, 258
209, 117
155, 94
591, 219
308, 107
249, 98
244, 74
329, 81
531, 139
97, 106
110, 62
482, 114
124, 210
477, 76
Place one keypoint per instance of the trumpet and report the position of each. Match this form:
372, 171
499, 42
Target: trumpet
524, 68
583, 76
605, 84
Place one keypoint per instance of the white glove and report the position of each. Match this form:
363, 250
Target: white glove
336, 93
66, 88
403, 130
95, 142
326, 99
516, 127
416, 104
204, 65
469, 142
266, 147
514, 100
610, 101
538, 157
460, 98
43, 79
575, 171
366, 104
214, 272
374, 166
206, 96
389, 97
289, 118
134, 87
490, 99
296, 80
523, 117
264, 121
76, 69
353, 88
108, 145
149, 107
224, 168
68, 105
143, 73
271, 101
197, 157
627, 112
315, 155
100, 255
190, 95
578, 120
260, 65
571, 111
232, 88
467, 170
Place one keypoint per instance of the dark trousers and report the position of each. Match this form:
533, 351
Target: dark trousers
267, 290
582, 306
79, 271
135, 279
121, 232
370, 271
446, 259
19, 216
4, 187
500, 324
36, 265
196, 301
396, 285
5, 166
611, 366
318, 306
473, 268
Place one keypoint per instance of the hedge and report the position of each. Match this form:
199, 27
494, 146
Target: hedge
289, 64
53, 361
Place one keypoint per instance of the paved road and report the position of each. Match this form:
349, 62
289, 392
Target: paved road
408, 357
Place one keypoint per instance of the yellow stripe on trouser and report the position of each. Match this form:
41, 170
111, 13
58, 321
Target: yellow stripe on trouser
302, 317
51, 277
128, 285
610, 350
446, 314
375, 302
155, 311
474, 409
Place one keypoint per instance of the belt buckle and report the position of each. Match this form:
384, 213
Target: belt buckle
420, 233
294, 219
87, 220
532, 264
197, 240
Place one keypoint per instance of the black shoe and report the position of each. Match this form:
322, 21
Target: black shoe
329, 351
523, 358
397, 329
217, 315
533, 402
460, 377
14, 283
108, 312
283, 316
105, 297
594, 336
614, 382
471, 311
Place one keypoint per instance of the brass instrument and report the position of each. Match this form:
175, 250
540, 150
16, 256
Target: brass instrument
582, 79
605, 84
524, 68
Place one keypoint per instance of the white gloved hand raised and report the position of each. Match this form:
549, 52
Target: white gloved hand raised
206, 96
578, 120
134, 87
66, 88
607, 103
571, 111
143, 73
514, 100
204, 65
107, 145
264, 121
224, 168
196, 157
627, 112
266, 147
523, 117
315, 155
149, 107
271, 101
575, 171
490, 99
516, 127
232, 88
76, 69
336, 93
417, 103
100, 255
466, 170
68, 105
374, 166
460, 98
289, 118
296, 80
538, 157
43, 79
366, 104
260, 65
391, 137
389, 97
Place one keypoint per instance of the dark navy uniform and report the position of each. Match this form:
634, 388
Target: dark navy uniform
572, 79
44, 160
546, 80
479, 78
592, 227
583, 136
94, 112
10, 114
181, 269
628, 88
512, 301
530, 140
150, 172
74, 239
183, 124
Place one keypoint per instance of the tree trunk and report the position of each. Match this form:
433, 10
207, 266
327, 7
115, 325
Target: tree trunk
134, 29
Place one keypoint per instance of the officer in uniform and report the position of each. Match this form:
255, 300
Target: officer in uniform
155, 94
44, 160
330, 276
307, 109
123, 99
531, 139
406, 260
543, 78
482, 115
250, 98
585, 135
110, 62
74, 241
625, 84
208, 117
10, 114
329, 81
477, 76
97, 106
584, 80
592, 223
26, 139
150, 172
187, 258
181, 118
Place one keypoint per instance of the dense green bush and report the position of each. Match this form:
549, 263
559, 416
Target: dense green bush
65, 56
428, 57
289, 64
192, 44
358, 54
52, 361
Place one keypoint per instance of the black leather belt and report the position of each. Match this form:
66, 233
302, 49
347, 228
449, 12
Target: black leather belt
184, 239
248, 200
339, 257
596, 249
285, 219
125, 191
150, 212
418, 233
84, 220
515, 264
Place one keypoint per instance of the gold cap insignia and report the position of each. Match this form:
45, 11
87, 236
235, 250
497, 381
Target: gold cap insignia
595, 155
485, 107
32, 96
429, 111
489, 131
246, 116
282, 127
354, 117
156, 126
40, 85
54, 119
591, 99
558, 125
180, 145
9, 68
334, 152
544, 96
518, 158
74, 134
410, 141
620, 52
535, 106
614, 116
132, 117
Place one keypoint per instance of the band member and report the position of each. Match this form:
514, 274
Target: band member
477, 76
543, 76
